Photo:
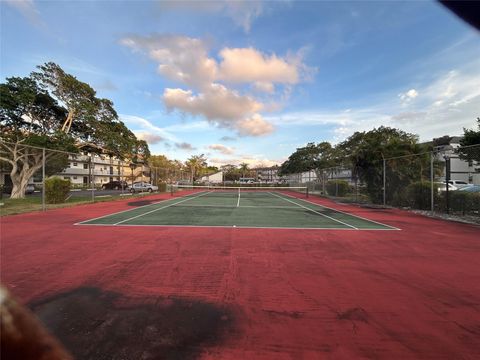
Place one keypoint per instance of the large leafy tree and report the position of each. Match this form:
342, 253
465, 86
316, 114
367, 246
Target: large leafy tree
29, 120
230, 172
471, 137
54, 110
310, 157
365, 151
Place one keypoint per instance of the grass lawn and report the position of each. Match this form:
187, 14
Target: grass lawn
34, 203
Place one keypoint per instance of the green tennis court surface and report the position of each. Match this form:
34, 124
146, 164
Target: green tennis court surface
246, 209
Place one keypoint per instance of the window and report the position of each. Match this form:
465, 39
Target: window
74, 178
85, 166
66, 178
69, 165
75, 164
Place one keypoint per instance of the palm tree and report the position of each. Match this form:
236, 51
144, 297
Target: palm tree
244, 169
196, 163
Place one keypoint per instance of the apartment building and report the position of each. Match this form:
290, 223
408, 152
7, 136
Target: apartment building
460, 169
100, 169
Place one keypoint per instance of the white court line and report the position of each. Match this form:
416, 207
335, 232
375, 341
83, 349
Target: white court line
316, 212
238, 202
127, 210
241, 206
121, 212
236, 227
164, 207
344, 212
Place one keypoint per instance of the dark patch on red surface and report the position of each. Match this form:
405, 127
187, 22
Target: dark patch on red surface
420, 287
97, 324
140, 203
354, 314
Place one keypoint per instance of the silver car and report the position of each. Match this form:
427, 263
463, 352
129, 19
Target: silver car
143, 187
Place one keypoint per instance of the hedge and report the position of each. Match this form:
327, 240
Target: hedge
338, 188
56, 190
419, 195
460, 202
162, 186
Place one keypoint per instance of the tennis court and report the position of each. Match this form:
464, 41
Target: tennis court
243, 207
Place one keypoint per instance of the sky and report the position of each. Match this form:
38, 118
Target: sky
251, 81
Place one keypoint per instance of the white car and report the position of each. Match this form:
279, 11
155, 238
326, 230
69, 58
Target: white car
458, 183
143, 187
443, 187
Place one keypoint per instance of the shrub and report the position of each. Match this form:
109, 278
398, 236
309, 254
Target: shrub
338, 188
162, 186
56, 190
418, 195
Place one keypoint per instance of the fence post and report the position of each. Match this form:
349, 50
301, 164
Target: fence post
384, 183
431, 183
43, 180
92, 178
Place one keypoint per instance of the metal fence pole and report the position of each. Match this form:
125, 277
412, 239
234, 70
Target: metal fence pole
431, 183
43, 180
92, 178
384, 183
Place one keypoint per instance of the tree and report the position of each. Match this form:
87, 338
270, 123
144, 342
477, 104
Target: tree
244, 169
365, 151
310, 157
470, 138
31, 115
196, 163
230, 172
76, 96
29, 119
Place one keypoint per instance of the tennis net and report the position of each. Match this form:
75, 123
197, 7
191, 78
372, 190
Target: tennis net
244, 191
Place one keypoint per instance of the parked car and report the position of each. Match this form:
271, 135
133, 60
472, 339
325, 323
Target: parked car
7, 189
115, 185
471, 188
443, 187
458, 183
142, 187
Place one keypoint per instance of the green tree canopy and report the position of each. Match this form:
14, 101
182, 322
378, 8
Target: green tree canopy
471, 137
54, 110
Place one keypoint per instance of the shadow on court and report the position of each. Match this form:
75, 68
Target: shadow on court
96, 324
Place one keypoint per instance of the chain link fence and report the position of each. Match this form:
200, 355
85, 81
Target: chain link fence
416, 181
36, 178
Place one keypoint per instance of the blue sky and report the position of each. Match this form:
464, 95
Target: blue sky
250, 81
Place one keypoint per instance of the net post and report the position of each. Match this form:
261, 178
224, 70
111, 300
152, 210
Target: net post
171, 189
306, 192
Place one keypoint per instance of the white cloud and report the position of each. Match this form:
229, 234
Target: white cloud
250, 65
446, 106
136, 121
222, 107
408, 96
254, 126
151, 139
180, 58
217, 103
185, 60
226, 150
